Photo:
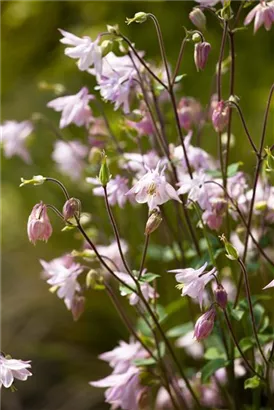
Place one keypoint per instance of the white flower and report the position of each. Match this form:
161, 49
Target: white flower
11, 369
75, 108
153, 188
270, 285
116, 190
69, 157
147, 291
62, 275
14, 137
196, 188
87, 51
193, 283
138, 163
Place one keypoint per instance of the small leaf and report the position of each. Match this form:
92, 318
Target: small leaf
246, 343
252, 383
232, 169
213, 353
149, 277
124, 290
180, 330
144, 362
210, 368
237, 314
68, 228
179, 78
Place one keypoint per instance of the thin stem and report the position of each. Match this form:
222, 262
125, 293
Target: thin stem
221, 56
62, 186
144, 256
179, 60
116, 232
248, 294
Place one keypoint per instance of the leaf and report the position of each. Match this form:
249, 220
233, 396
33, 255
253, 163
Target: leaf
180, 330
213, 353
210, 368
124, 290
149, 277
68, 228
144, 362
252, 383
232, 169
236, 313
246, 343
179, 78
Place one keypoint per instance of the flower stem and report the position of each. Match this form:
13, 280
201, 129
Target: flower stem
144, 256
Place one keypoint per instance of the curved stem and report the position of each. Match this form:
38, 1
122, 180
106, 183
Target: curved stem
179, 60
62, 186
144, 256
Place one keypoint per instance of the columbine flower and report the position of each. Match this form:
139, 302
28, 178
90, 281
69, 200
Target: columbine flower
220, 116
190, 112
138, 163
14, 137
39, 227
88, 51
205, 324
147, 290
270, 285
263, 13
153, 188
61, 274
193, 284
201, 52
71, 207
196, 188
69, 157
75, 108
116, 190
11, 369
112, 253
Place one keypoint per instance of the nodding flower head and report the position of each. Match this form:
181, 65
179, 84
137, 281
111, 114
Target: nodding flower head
205, 324
201, 52
39, 226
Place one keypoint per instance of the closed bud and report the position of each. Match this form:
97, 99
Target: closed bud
231, 251
104, 174
36, 180
39, 226
72, 207
139, 17
113, 29
196, 38
221, 296
201, 52
153, 221
77, 306
204, 325
198, 18
220, 116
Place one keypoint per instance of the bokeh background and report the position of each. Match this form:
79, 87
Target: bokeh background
35, 323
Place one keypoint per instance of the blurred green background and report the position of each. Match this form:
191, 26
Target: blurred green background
35, 323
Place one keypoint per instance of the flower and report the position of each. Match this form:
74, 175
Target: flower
198, 18
71, 207
190, 113
220, 116
204, 325
192, 281
221, 296
147, 291
61, 274
201, 52
116, 190
153, 188
88, 51
14, 136
69, 157
263, 14
39, 227
112, 253
270, 285
138, 163
75, 108
11, 369
196, 188
192, 347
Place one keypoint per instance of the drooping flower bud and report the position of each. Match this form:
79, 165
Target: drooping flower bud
77, 306
39, 226
198, 18
221, 296
104, 174
204, 325
71, 207
153, 221
36, 180
220, 116
201, 52
139, 17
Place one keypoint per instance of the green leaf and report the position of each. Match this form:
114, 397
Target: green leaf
213, 353
210, 368
68, 228
246, 343
144, 362
149, 277
252, 383
232, 169
179, 78
180, 330
124, 290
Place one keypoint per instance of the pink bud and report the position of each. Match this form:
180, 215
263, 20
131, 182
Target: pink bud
39, 226
204, 325
221, 296
77, 306
153, 221
220, 116
71, 207
201, 52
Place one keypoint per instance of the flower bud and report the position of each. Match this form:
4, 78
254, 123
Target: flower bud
204, 325
72, 206
39, 226
113, 29
104, 174
153, 221
139, 17
198, 18
77, 306
231, 251
221, 296
220, 116
201, 52
36, 180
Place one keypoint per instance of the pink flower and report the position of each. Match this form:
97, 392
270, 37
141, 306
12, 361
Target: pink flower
87, 51
153, 188
69, 157
112, 253
270, 285
263, 13
61, 274
147, 290
116, 190
193, 284
75, 108
14, 136
39, 227
201, 52
220, 116
190, 112
196, 188
138, 163
11, 369
204, 325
